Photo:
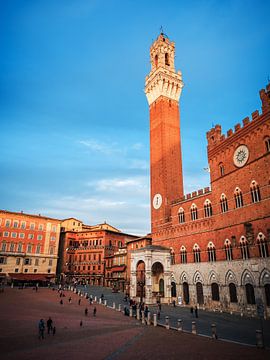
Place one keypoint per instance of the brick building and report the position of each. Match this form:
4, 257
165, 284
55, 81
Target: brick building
28, 247
210, 247
83, 250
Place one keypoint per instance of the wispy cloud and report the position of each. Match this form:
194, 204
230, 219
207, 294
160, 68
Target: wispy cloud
100, 147
138, 164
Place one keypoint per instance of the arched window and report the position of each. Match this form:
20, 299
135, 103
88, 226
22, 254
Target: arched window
196, 253
183, 255
228, 250
167, 62
211, 251
181, 215
223, 203
173, 289
221, 169
215, 292
20, 247
172, 257
186, 293
262, 244
199, 292
233, 293
12, 247
38, 248
4, 246
250, 294
156, 60
194, 212
267, 143
207, 208
255, 192
238, 198
244, 248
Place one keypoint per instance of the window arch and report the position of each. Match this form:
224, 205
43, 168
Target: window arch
267, 143
196, 253
183, 255
211, 251
255, 192
156, 60
215, 291
172, 256
250, 294
194, 212
244, 248
262, 244
181, 215
223, 203
221, 169
167, 62
238, 198
233, 293
207, 208
228, 250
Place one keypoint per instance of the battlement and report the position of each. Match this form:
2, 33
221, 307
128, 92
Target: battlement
215, 136
193, 195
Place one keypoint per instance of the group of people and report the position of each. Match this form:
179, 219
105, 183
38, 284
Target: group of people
41, 328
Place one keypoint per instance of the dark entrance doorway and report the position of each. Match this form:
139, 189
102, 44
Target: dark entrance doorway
199, 291
186, 293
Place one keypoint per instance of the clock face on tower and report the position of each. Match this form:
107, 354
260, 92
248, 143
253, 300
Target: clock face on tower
157, 201
240, 156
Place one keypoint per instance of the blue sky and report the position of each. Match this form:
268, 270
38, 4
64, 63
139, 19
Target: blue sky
74, 119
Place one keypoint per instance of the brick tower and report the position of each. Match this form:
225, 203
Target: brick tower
163, 87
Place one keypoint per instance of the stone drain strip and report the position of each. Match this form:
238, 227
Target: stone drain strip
149, 321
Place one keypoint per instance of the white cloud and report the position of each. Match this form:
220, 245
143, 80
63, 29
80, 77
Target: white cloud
100, 147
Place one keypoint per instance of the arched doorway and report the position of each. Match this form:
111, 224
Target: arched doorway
173, 289
186, 293
199, 291
158, 280
140, 278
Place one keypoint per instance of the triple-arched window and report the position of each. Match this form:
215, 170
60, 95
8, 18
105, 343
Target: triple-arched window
223, 203
255, 192
194, 212
228, 250
244, 248
207, 208
263, 246
196, 253
238, 197
181, 215
183, 255
211, 251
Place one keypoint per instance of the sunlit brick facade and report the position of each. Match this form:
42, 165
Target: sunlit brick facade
28, 247
218, 237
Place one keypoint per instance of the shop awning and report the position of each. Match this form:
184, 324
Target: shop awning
119, 268
31, 277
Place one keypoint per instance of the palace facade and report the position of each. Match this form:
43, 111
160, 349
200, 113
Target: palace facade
211, 247
28, 247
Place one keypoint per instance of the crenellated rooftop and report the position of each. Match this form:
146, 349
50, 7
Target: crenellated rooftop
215, 136
193, 195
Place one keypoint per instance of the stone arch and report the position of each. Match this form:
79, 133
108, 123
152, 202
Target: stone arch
184, 277
198, 277
264, 277
230, 277
213, 277
247, 278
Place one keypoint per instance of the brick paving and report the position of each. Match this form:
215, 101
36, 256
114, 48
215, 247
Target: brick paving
108, 336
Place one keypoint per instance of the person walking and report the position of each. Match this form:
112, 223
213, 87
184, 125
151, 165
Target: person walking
94, 311
49, 325
86, 312
79, 302
191, 310
196, 312
69, 300
41, 329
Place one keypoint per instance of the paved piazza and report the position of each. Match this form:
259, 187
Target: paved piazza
109, 335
